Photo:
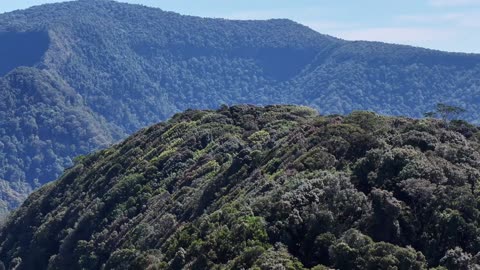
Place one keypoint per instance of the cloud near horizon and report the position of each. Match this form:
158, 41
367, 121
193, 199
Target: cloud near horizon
453, 3
399, 35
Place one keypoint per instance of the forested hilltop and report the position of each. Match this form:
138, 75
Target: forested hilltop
82, 74
248, 187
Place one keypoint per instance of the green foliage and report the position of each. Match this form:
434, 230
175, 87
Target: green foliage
260, 137
357, 251
43, 126
84, 74
360, 191
446, 112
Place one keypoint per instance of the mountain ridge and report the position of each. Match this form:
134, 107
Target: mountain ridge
133, 66
248, 187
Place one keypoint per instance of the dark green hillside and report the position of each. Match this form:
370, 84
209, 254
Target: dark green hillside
43, 123
129, 66
394, 80
259, 188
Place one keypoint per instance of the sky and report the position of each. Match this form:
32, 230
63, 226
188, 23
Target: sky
449, 25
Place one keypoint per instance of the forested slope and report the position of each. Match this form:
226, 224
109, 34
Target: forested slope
248, 187
123, 67
43, 125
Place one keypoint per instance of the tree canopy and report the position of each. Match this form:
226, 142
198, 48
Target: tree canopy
247, 187
446, 112
80, 75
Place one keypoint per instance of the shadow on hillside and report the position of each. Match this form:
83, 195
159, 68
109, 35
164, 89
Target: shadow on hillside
21, 49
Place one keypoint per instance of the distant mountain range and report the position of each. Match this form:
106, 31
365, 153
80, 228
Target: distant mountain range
78, 76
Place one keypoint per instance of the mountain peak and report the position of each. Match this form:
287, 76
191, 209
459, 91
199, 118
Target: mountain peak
247, 187
132, 66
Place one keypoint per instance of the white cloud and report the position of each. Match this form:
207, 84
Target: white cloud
430, 18
472, 21
453, 3
464, 20
401, 35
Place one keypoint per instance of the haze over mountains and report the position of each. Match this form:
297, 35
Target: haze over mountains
81, 75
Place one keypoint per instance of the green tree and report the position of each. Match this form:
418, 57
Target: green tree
445, 112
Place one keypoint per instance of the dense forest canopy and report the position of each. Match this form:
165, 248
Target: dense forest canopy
87, 73
248, 187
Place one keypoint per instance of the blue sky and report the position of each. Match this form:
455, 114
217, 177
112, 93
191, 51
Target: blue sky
451, 25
